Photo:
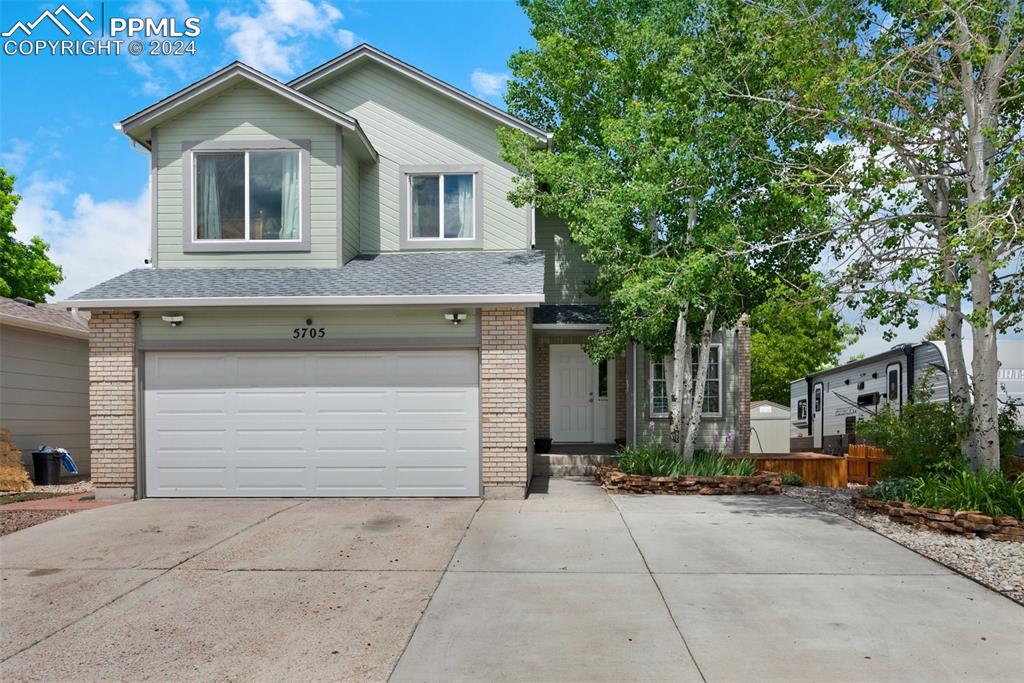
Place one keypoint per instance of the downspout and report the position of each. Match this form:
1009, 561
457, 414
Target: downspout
140, 378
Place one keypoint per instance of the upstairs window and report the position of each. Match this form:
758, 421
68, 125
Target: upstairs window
248, 196
442, 206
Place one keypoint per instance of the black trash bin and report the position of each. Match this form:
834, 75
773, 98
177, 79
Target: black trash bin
46, 468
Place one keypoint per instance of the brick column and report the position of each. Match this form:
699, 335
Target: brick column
112, 402
503, 409
743, 383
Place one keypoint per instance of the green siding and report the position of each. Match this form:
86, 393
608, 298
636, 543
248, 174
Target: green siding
708, 425
409, 123
247, 112
565, 272
350, 202
276, 325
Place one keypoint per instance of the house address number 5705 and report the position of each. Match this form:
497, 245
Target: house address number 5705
309, 333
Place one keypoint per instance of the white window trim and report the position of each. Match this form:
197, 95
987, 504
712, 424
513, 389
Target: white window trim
405, 238
440, 208
650, 387
190, 242
668, 385
245, 188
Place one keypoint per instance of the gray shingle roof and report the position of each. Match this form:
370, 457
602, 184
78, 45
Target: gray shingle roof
43, 317
565, 314
435, 274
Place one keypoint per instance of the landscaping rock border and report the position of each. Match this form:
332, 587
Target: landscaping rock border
966, 523
762, 483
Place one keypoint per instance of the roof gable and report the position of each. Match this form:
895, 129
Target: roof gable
139, 126
366, 52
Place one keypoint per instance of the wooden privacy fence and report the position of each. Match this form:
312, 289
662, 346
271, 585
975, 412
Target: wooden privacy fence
863, 462
817, 469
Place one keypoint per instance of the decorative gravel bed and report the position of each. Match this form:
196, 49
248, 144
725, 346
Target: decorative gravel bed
16, 520
996, 564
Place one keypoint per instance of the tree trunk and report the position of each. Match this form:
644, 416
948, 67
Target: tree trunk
985, 368
679, 399
981, 103
699, 382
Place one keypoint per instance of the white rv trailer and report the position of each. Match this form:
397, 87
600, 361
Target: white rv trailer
825, 406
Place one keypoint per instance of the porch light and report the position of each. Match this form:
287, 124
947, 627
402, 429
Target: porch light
455, 318
174, 319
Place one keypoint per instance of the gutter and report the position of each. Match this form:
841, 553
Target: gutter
528, 300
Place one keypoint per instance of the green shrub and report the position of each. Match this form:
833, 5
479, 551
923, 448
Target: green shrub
1011, 431
657, 461
987, 491
897, 488
922, 438
792, 479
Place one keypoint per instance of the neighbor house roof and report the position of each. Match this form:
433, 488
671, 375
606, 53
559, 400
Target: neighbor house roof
366, 52
139, 125
568, 316
43, 318
436, 278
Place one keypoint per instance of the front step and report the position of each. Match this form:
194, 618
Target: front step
559, 465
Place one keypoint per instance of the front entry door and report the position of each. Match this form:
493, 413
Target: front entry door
572, 394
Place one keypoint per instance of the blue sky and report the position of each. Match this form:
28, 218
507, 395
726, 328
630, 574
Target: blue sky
85, 189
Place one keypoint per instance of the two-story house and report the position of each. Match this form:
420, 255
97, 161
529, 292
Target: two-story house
341, 301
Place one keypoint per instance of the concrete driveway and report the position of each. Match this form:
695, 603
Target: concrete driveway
570, 584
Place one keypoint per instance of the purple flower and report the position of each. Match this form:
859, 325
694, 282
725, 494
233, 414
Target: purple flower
650, 426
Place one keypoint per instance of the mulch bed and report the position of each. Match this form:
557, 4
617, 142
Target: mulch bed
616, 481
16, 520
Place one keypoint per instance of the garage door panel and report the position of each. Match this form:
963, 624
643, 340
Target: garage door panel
190, 403
312, 424
260, 403
353, 440
334, 403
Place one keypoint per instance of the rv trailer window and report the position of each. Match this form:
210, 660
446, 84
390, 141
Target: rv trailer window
894, 384
817, 401
801, 409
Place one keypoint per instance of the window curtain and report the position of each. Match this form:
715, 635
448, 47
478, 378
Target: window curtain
209, 200
290, 198
465, 206
458, 206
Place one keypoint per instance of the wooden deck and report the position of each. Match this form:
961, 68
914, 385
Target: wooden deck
817, 469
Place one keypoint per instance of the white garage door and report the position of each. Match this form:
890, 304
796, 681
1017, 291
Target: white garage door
402, 423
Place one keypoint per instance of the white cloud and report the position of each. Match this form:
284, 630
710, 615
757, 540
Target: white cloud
272, 39
97, 241
488, 84
346, 38
15, 157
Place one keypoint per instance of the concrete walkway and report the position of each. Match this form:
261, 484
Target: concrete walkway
570, 584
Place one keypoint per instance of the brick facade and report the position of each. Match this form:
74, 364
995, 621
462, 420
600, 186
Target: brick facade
743, 384
503, 401
542, 383
112, 400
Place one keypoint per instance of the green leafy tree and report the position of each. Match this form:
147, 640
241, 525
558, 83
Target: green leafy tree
668, 183
793, 333
938, 330
927, 99
25, 268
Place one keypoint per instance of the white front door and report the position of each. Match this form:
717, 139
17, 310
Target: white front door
321, 423
572, 393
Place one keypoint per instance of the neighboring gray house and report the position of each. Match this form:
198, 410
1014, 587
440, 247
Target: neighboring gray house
44, 378
343, 302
